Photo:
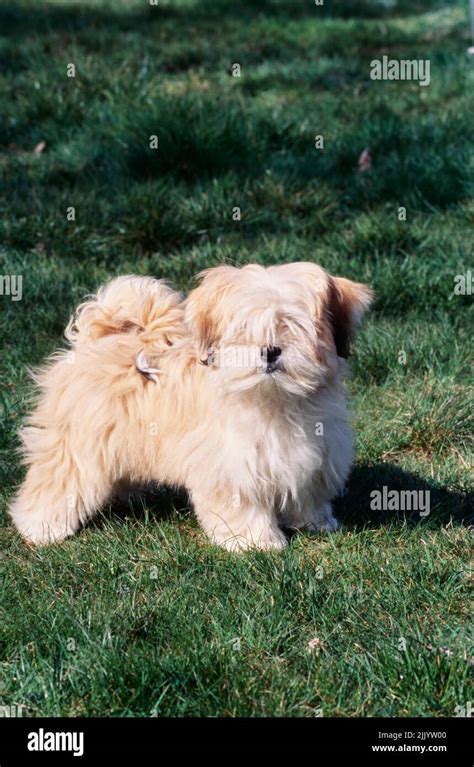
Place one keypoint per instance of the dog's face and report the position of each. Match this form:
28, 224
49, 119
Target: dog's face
281, 327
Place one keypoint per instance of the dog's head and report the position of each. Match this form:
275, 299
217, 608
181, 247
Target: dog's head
282, 326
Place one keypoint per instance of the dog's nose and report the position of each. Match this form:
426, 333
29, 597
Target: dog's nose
272, 353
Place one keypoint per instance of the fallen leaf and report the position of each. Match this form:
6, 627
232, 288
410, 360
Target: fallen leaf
365, 160
314, 644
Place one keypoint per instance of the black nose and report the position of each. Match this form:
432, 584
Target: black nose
272, 354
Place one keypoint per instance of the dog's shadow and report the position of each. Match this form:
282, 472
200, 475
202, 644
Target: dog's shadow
363, 504
160, 501
379, 494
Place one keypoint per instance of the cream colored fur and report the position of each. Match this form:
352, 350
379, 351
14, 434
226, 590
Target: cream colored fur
159, 389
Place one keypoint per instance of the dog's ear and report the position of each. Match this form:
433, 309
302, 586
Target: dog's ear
347, 301
204, 311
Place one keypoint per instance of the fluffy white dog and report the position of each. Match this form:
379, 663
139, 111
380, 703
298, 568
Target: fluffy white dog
235, 393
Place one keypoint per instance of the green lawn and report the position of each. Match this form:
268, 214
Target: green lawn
139, 615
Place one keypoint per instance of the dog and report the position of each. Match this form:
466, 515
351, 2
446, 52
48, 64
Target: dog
235, 393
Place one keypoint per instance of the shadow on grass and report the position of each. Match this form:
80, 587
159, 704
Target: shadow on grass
24, 18
160, 501
354, 509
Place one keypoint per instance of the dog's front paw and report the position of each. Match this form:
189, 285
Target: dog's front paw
322, 519
270, 540
239, 526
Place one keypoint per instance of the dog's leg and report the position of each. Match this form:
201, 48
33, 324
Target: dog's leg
57, 497
236, 524
66, 450
321, 517
310, 514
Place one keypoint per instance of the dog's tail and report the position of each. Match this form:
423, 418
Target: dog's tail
130, 304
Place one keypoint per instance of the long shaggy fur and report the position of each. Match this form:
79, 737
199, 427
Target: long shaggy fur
235, 393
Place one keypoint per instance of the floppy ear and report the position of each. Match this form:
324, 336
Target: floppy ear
200, 321
203, 311
347, 302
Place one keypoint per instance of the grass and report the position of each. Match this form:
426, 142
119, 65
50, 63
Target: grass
139, 615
